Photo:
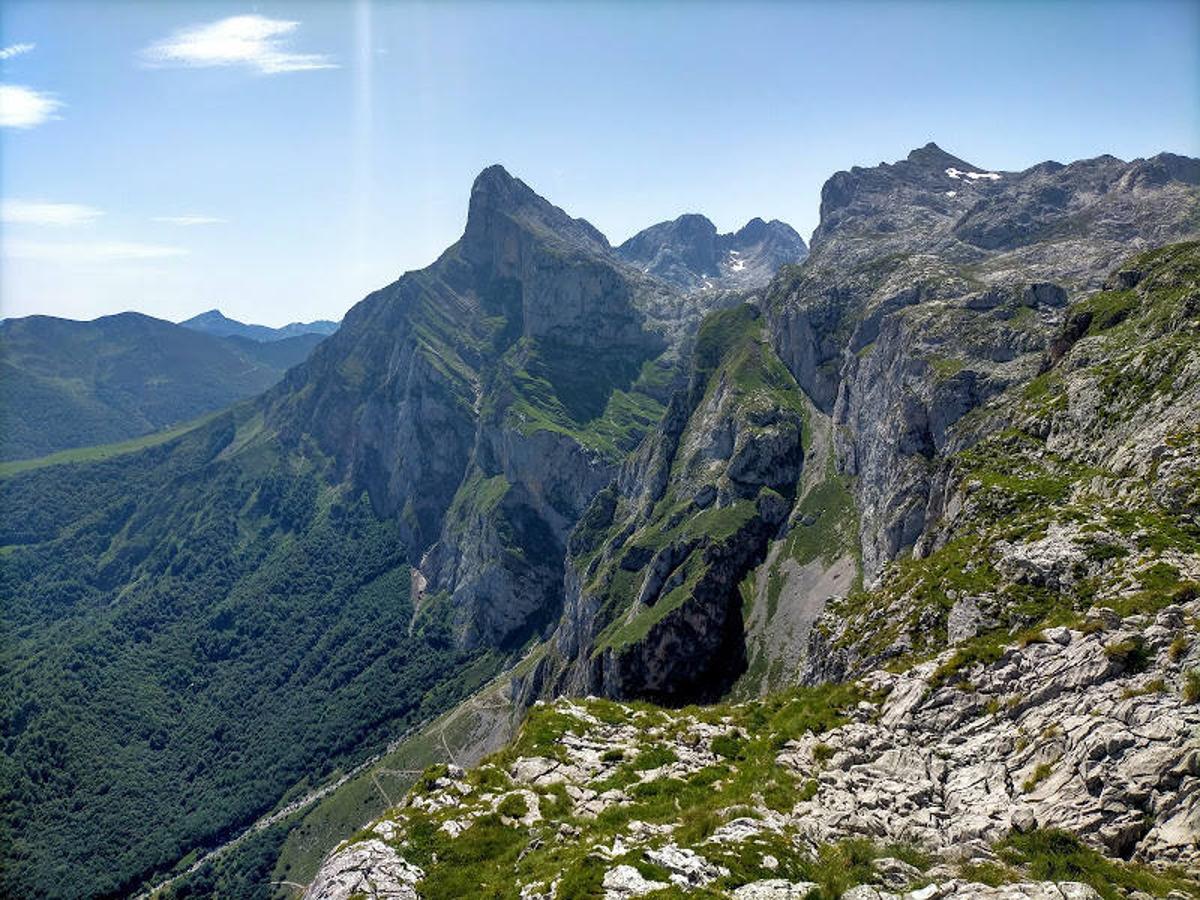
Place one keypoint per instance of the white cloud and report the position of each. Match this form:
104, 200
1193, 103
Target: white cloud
39, 212
190, 220
88, 252
22, 107
15, 50
254, 41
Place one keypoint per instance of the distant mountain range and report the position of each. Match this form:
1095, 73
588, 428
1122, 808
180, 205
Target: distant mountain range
216, 323
70, 384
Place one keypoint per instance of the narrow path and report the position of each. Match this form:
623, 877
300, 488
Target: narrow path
473, 703
284, 812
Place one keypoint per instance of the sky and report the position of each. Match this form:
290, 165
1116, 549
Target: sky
281, 160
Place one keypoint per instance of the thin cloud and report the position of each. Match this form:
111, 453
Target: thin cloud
23, 107
253, 41
88, 252
39, 212
190, 220
15, 50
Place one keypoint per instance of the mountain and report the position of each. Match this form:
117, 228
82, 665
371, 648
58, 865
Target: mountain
690, 254
420, 470
944, 475
892, 331
535, 470
71, 384
216, 323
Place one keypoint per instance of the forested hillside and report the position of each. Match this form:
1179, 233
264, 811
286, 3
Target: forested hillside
67, 384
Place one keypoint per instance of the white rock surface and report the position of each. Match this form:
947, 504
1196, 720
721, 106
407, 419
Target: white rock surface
947, 767
369, 868
626, 881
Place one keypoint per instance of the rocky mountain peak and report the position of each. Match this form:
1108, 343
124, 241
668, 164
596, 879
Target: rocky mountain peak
689, 253
756, 229
780, 234
210, 315
695, 223
932, 156
501, 207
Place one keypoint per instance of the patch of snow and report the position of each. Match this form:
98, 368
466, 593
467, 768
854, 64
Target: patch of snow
738, 265
974, 176
951, 193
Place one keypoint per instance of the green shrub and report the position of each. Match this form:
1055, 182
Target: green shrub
514, 806
729, 745
1191, 687
1153, 686
653, 757
1052, 855
1131, 653
1040, 774
991, 874
1179, 647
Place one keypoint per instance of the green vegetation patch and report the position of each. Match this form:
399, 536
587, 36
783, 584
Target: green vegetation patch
1051, 855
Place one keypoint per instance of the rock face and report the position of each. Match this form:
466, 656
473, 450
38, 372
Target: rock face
1062, 733
689, 253
457, 398
934, 284
1072, 488
652, 606
968, 763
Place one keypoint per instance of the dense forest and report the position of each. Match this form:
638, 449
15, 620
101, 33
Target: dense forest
184, 644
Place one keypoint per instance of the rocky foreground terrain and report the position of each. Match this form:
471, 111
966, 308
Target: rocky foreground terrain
941, 780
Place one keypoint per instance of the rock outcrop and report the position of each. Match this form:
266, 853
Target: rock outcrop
962, 769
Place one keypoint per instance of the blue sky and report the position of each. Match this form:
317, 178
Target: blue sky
160, 157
